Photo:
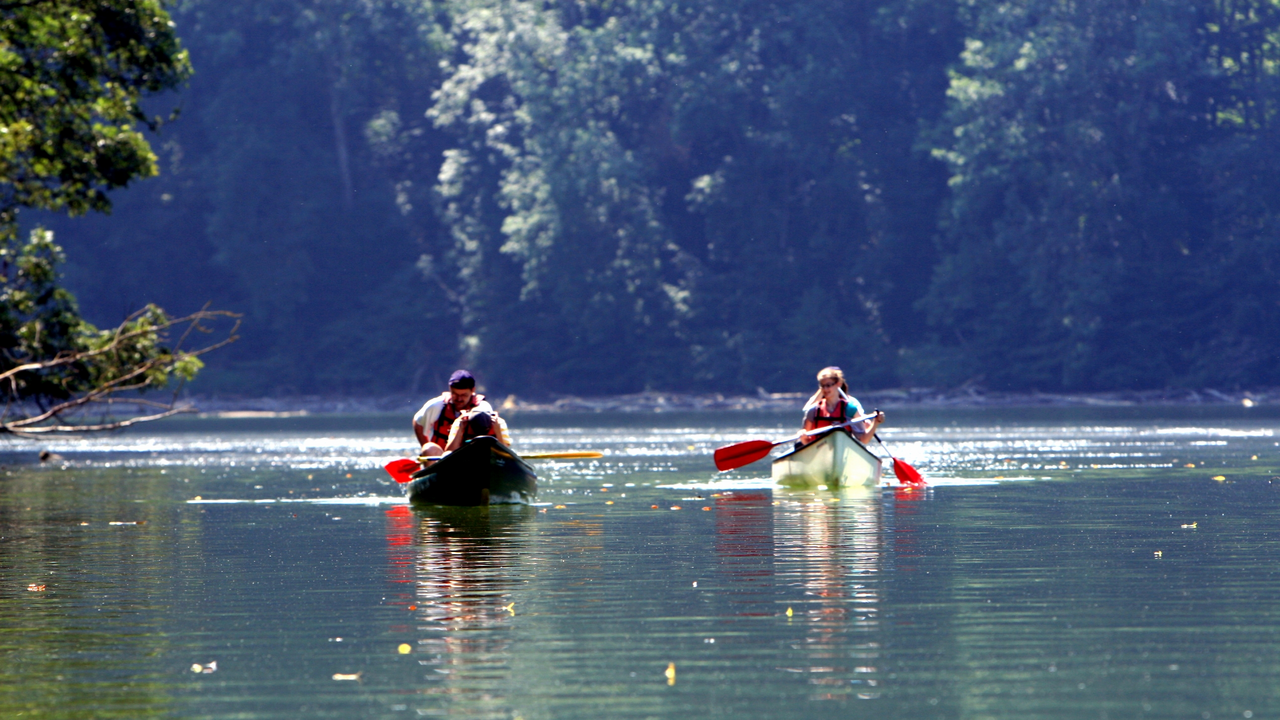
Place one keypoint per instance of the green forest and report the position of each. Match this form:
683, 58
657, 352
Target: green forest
608, 196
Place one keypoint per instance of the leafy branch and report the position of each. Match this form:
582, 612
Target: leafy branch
128, 359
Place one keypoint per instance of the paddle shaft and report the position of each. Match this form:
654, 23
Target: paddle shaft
574, 455
817, 432
737, 455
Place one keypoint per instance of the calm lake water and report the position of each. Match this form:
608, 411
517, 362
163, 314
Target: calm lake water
1102, 563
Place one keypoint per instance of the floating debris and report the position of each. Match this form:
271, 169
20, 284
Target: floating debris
405, 648
33, 587
206, 669
346, 676
671, 673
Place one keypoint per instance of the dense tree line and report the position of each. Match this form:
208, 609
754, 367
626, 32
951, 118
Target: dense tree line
593, 197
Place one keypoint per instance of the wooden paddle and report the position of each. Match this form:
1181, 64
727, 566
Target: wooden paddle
577, 454
731, 457
562, 455
904, 472
402, 470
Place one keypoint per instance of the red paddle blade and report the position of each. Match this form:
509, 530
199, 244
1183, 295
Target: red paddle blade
735, 456
400, 470
906, 473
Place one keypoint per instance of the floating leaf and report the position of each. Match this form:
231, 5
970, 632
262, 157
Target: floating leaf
405, 648
671, 673
346, 676
33, 587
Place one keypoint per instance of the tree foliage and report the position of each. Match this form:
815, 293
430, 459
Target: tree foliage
675, 189
72, 77
1111, 222
576, 196
73, 74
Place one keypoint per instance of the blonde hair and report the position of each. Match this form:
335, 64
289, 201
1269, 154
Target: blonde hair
833, 372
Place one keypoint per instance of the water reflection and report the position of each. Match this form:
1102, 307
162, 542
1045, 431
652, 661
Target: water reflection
831, 546
454, 568
821, 559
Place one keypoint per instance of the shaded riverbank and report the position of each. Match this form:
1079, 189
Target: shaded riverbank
657, 402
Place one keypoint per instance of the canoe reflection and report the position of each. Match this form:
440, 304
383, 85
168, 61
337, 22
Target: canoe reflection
831, 548
455, 567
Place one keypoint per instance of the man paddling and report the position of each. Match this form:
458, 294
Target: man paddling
433, 422
450, 419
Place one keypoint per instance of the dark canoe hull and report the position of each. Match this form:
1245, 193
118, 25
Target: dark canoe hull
481, 472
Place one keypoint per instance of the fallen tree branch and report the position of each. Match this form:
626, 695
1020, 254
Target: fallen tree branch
153, 368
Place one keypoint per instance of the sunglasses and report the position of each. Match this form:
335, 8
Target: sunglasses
827, 384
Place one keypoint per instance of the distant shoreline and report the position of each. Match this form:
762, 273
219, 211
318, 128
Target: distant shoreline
658, 402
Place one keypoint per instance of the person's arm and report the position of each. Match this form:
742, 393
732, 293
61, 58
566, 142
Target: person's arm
426, 417
865, 431
810, 422
503, 436
456, 432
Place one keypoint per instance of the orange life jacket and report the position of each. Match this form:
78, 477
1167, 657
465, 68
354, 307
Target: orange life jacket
448, 414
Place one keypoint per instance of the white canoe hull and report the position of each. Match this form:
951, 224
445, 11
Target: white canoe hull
835, 460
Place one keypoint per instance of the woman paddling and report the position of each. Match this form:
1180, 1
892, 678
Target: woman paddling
832, 405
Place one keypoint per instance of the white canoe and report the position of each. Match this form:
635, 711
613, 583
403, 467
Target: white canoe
835, 460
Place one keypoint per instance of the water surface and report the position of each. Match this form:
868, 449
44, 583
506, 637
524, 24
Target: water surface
1088, 563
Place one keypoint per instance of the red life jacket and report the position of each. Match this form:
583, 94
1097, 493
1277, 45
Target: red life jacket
448, 414
821, 419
